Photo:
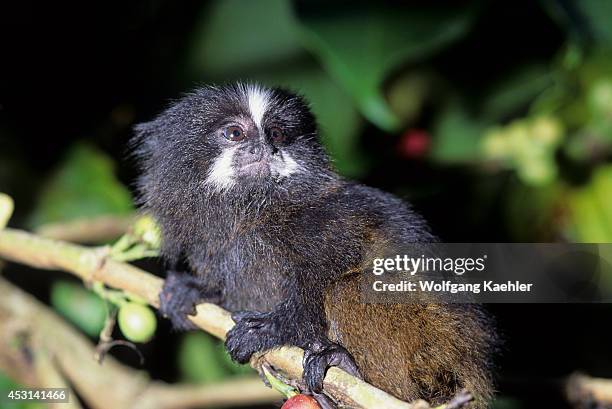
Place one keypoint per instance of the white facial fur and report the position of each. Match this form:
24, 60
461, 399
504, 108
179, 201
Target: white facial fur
286, 166
221, 173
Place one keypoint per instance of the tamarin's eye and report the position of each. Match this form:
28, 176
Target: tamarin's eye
234, 133
277, 135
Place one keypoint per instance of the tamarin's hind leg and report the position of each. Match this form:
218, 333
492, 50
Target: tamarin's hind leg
426, 351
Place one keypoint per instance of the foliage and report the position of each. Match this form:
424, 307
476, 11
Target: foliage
82, 307
203, 359
83, 186
360, 50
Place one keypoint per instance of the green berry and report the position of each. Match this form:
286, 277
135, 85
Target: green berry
137, 322
147, 231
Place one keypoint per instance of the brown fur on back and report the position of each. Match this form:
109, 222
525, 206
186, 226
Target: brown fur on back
426, 351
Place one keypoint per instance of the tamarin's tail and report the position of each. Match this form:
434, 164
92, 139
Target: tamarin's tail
414, 351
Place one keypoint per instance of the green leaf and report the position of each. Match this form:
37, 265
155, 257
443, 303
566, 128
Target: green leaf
200, 360
591, 209
80, 306
234, 36
362, 45
84, 185
456, 137
584, 20
339, 121
597, 14
515, 92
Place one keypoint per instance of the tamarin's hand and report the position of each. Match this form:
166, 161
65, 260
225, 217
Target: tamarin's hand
252, 210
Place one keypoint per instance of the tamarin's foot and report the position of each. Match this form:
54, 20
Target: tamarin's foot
319, 358
179, 297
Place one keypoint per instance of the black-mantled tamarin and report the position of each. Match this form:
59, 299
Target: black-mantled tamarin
248, 201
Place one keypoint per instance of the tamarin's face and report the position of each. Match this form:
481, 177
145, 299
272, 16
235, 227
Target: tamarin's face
235, 137
257, 132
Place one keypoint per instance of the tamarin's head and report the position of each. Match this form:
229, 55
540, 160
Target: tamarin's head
241, 141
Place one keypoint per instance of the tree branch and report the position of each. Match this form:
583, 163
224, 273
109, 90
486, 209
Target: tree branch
47, 352
90, 230
584, 391
93, 264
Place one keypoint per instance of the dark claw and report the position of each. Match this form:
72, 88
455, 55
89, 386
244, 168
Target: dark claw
317, 361
178, 298
238, 316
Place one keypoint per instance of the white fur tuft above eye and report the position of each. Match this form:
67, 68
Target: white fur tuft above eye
221, 173
258, 98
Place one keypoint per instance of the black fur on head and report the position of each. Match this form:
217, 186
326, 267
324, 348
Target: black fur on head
242, 148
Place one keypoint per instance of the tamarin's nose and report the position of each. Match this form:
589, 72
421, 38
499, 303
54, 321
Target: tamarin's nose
259, 149
256, 150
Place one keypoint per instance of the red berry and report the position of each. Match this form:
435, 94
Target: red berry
301, 402
414, 143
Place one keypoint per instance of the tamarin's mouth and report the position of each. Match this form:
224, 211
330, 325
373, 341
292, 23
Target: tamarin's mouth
256, 168
280, 165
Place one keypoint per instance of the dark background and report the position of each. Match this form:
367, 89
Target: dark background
87, 72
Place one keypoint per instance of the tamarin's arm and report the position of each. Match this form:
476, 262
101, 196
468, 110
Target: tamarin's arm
182, 291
